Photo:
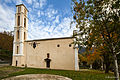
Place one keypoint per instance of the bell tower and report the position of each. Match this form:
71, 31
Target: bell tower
20, 35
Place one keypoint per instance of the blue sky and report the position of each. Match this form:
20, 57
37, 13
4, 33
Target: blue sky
47, 18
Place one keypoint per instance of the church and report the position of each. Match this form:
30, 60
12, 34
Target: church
53, 53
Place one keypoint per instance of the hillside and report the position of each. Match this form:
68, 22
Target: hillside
6, 46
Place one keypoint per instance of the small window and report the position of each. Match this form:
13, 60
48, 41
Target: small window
58, 45
18, 34
17, 49
16, 63
25, 11
18, 20
24, 36
34, 45
70, 45
19, 9
24, 22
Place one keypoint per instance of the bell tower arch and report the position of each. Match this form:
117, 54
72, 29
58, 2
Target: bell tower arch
20, 35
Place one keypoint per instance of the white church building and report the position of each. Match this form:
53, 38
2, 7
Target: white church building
53, 53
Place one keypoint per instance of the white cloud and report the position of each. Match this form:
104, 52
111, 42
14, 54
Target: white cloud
36, 5
8, 1
38, 13
57, 19
63, 29
42, 13
52, 26
29, 9
29, 1
17, 1
7, 17
42, 3
50, 13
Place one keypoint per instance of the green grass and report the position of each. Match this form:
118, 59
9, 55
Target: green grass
5, 71
75, 75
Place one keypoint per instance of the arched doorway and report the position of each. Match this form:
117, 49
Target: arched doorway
47, 60
16, 63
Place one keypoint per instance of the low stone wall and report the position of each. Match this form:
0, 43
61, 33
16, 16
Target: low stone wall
38, 77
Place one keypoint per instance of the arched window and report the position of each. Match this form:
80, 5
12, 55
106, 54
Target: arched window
48, 55
18, 20
24, 22
16, 63
19, 9
17, 49
24, 36
34, 45
18, 34
25, 11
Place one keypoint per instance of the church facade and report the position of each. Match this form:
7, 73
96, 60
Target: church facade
54, 53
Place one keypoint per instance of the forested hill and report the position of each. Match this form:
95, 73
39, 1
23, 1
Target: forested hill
6, 46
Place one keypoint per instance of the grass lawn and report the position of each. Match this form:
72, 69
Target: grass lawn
75, 75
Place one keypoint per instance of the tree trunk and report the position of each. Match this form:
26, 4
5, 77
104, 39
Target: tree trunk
90, 66
107, 67
102, 64
116, 72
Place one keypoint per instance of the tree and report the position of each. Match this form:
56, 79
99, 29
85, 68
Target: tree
95, 56
6, 41
107, 57
6, 46
82, 59
98, 23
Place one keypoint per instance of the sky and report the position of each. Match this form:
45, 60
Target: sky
47, 18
